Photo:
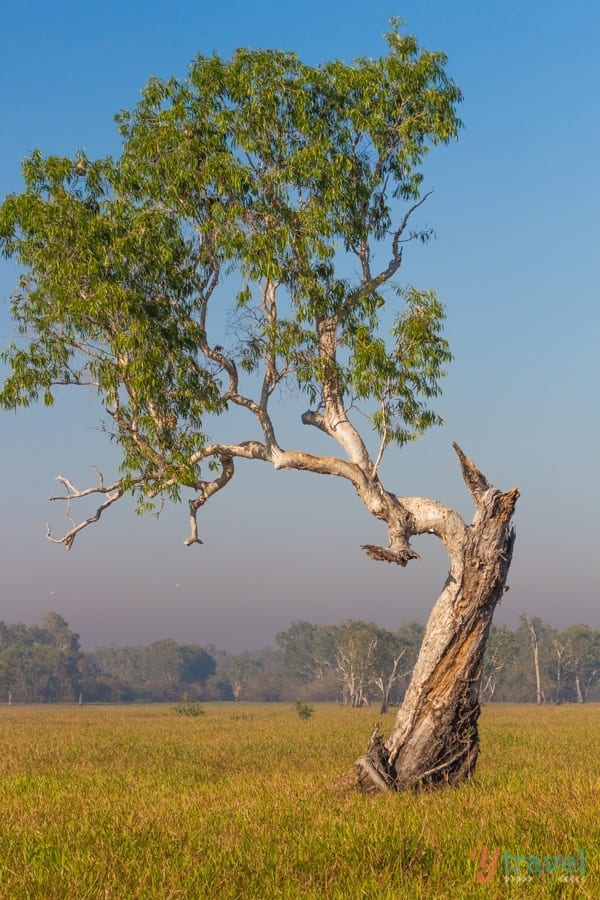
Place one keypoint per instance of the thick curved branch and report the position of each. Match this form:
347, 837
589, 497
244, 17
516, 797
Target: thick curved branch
432, 517
243, 450
404, 516
379, 502
419, 516
335, 421
207, 489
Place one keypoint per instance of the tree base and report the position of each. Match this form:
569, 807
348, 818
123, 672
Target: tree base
375, 775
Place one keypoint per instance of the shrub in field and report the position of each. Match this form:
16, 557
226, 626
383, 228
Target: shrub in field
190, 708
303, 710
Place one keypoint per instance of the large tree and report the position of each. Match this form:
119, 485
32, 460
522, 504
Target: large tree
287, 193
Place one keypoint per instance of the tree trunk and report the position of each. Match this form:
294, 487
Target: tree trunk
435, 738
539, 693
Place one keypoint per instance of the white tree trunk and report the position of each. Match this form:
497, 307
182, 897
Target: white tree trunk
540, 698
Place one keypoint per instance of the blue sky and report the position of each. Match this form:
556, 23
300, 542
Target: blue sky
516, 211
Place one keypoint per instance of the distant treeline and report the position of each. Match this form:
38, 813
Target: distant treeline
356, 663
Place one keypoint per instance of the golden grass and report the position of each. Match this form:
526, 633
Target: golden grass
137, 802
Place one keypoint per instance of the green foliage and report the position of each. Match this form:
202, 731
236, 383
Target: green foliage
308, 650
262, 172
46, 664
189, 707
41, 664
304, 711
158, 671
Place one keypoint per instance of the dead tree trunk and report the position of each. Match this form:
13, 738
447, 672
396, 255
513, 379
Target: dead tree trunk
435, 738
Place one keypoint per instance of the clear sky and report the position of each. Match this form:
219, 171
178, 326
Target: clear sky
516, 211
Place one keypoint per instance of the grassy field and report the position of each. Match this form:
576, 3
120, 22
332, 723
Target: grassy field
245, 802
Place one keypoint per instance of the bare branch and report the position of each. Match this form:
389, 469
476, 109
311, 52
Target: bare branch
396, 258
193, 536
112, 493
400, 231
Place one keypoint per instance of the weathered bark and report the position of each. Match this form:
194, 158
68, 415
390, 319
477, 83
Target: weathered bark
435, 738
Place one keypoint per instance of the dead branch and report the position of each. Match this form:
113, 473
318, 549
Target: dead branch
475, 480
112, 493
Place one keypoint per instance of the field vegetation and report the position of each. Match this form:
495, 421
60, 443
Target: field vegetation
248, 801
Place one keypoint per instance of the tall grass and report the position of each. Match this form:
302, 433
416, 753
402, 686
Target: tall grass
246, 802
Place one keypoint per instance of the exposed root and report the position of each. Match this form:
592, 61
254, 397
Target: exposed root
373, 772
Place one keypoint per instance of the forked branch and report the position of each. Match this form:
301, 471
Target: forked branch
111, 492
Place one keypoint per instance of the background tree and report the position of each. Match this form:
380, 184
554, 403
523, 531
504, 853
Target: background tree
535, 629
389, 666
163, 670
584, 658
501, 651
355, 655
292, 189
308, 650
40, 664
240, 669
560, 652
409, 635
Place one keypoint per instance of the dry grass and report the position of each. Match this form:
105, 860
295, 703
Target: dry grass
137, 802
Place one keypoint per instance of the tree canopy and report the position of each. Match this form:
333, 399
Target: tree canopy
247, 238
